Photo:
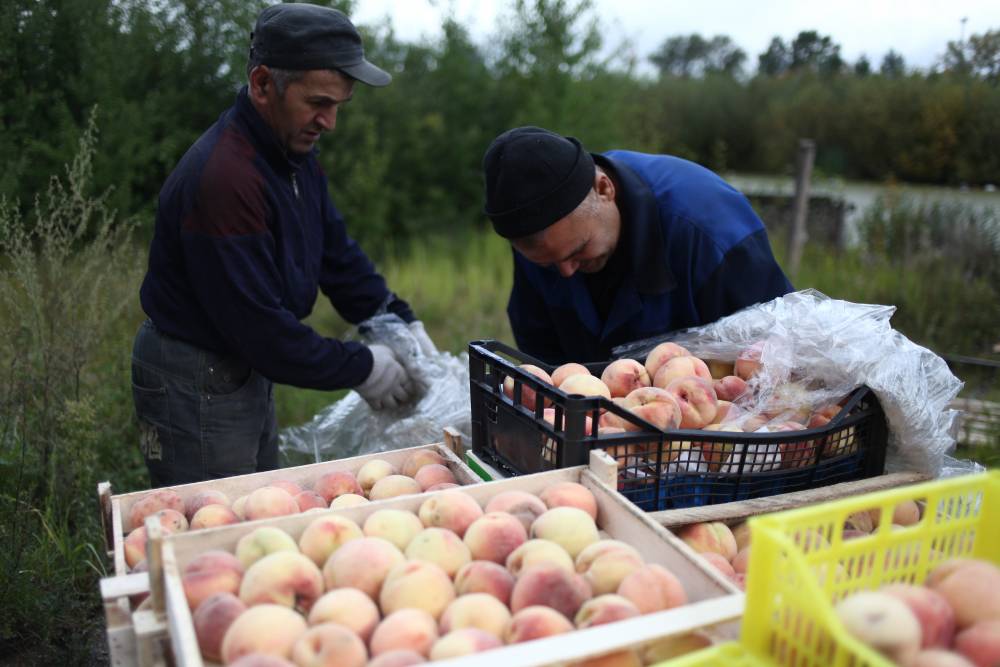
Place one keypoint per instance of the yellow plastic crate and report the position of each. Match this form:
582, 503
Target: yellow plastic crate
800, 566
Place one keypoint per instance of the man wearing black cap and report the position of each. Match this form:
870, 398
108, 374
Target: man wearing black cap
616, 247
246, 235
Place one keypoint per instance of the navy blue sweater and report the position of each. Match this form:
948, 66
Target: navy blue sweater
245, 237
694, 252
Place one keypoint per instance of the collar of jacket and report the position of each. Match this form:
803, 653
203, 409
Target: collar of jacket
264, 138
640, 213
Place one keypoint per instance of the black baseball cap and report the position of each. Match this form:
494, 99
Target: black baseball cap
534, 178
300, 36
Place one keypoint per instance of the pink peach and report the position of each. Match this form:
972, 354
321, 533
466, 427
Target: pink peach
465, 641
661, 354
285, 577
748, 362
729, 388
936, 618
622, 376
211, 572
526, 507
679, 367
416, 584
292, 488
420, 458
980, 643
441, 547
393, 486
535, 552
494, 536
570, 494
325, 534
159, 499
349, 607
373, 471
484, 576
453, 510
528, 395
551, 586
697, 400
211, 620
476, 610
266, 628
362, 564
585, 385
407, 629
433, 474
653, 588
199, 500
535, 623
268, 502
329, 645
336, 483
397, 526
713, 536
397, 658
307, 500
213, 515
606, 608
562, 372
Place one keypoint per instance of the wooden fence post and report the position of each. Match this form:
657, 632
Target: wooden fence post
803, 173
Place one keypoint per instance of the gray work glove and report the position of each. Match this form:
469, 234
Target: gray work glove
424, 341
388, 385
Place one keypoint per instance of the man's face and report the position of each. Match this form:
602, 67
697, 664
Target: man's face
307, 109
582, 241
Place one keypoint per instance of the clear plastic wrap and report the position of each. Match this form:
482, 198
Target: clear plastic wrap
349, 427
813, 351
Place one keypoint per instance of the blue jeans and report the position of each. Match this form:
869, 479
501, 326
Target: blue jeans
201, 415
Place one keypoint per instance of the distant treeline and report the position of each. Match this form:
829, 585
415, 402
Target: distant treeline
405, 159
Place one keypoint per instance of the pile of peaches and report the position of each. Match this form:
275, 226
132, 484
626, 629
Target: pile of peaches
451, 579
674, 389
377, 479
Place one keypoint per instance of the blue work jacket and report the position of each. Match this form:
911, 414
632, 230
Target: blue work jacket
696, 252
246, 237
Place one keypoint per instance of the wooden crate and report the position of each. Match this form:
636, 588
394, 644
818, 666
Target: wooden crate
714, 601
130, 632
736, 512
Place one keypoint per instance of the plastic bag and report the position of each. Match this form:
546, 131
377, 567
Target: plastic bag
350, 427
815, 350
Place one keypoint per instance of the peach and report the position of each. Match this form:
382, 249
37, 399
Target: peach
720, 368
261, 660
674, 647
171, 520
210, 516
729, 388
716, 453
397, 658
372, 471
528, 395
484, 576
159, 499
741, 560
211, 572
939, 658
936, 618
535, 623
199, 500
570, 494
393, 486
420, 458
713, 536
624, 658
607, 571
308, 500
407, 629
883, 622
606, 608
325, 535
679, 367
262, 542
396, 526
211, 620
564, 371
476, 610
586, 557
980, 643
239, 507
285, 577
970, 587
535, 552
622, 376
134, 546
362, 564
551, 586
418, 584
661, 354
453, 510
741, 533
906, 513
727, 412
720, 563
569, 527
653, 588
349, 607
335, 484
585, 385
443, 486
433, 474
748, 362
269, 501
288, 485
494, 536
466, 641
348, 500
657, 406
697, 400
441, 547
329, 645
265, 628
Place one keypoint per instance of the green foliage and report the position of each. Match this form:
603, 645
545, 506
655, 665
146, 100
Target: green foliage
67, 280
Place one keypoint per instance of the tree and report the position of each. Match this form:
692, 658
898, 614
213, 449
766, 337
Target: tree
892, 65
817, 52
986, 55
692, 55
862, 67
775, 60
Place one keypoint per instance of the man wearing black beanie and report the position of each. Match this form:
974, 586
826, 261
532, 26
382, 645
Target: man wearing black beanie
246, 237
615, 247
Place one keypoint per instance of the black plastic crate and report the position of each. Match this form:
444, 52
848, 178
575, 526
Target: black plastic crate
517, 439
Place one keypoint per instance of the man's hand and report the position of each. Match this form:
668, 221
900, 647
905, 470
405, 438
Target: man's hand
424, 341
387, 385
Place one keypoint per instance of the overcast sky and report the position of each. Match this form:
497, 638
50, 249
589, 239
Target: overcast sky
918, 29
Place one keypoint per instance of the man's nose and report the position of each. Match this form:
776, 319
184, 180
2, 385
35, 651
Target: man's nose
327, 120
568, 268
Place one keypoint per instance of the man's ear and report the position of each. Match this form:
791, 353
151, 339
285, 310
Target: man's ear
260, 83
604, 186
